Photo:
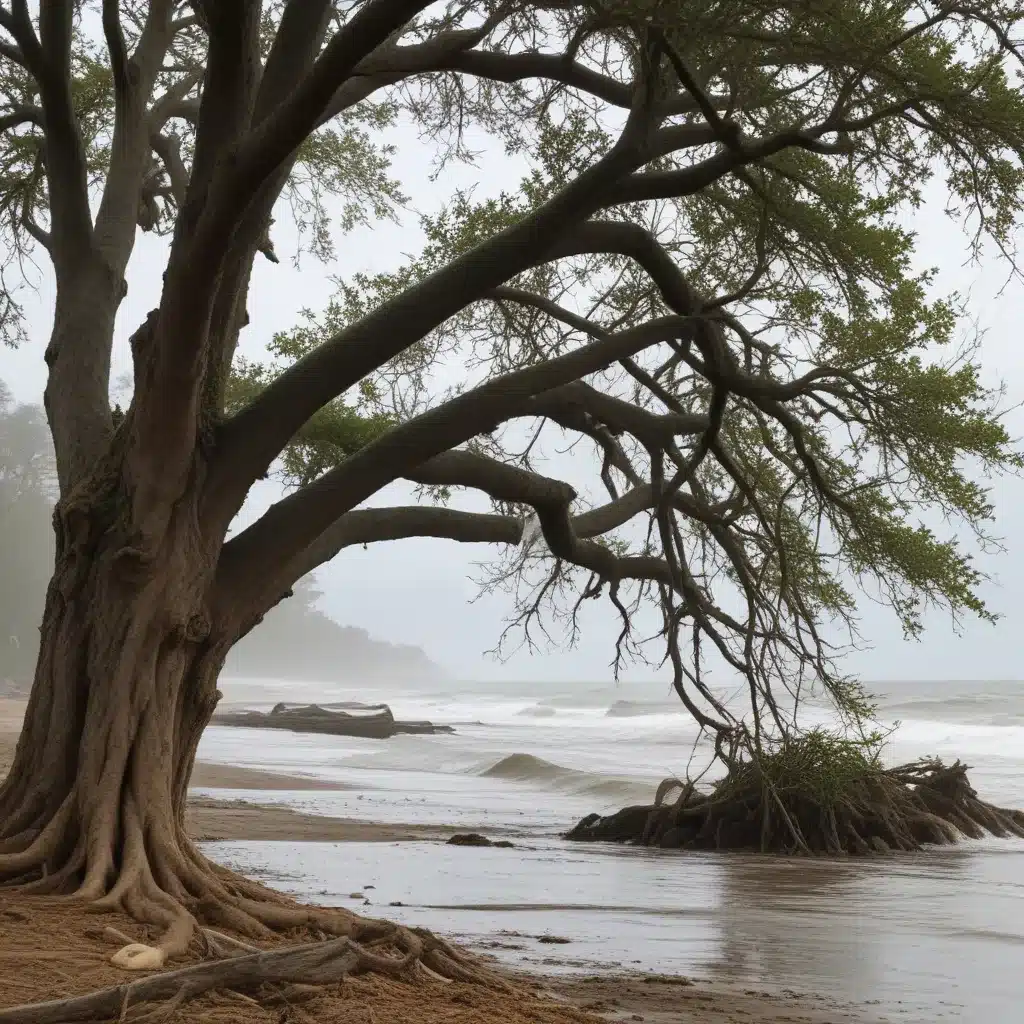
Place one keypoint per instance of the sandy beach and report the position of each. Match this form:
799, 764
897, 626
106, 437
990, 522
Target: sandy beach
607, 996
75, 960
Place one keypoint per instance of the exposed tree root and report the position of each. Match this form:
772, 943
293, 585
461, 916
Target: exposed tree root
781, 803
107, 830
191, 906
311, 965
345, 944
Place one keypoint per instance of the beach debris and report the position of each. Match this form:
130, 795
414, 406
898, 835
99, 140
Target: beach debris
346, 718
244, 969
475, 839
554, 940
814, 794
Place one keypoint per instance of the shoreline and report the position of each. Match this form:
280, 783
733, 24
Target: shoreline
52, 949
29, 926
231, 819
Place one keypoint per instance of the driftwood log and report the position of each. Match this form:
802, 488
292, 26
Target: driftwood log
372, 721
255, 972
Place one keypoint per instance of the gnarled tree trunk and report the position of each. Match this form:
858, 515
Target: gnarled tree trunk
125, 684
134, 634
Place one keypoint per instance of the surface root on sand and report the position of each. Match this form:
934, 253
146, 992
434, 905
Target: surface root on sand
266, 976
190, 906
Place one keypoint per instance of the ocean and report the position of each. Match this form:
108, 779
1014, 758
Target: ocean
933, 936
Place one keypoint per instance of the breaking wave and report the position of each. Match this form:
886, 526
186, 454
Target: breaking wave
535, 770
636, 708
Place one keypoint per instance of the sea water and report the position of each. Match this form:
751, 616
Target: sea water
932, 936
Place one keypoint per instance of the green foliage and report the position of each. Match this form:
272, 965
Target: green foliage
335, 432
859, 436
345, 161
850, 482
818, 768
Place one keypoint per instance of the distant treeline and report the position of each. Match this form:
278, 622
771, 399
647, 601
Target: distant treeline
27, 493
294, 641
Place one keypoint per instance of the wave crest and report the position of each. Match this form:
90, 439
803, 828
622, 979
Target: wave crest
529, 768
637, 708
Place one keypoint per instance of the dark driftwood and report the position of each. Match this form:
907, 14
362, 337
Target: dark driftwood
372, 721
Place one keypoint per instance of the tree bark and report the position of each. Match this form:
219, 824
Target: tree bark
134, 634
125, 684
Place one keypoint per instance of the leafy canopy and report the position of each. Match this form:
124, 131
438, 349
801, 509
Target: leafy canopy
810, 412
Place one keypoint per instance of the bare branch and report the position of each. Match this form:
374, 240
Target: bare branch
372, 525
299, 37
134, 78
276, 137
453, 52
118, 51
13, 53
25, 51
50, 61
19, 115
551, 498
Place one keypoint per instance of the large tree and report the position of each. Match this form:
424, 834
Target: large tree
705, 276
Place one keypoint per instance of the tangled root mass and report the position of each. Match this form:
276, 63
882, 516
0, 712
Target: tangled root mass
781, 803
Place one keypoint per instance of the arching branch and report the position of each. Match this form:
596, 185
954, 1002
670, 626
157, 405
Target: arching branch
293, 523
257, 434
342, 361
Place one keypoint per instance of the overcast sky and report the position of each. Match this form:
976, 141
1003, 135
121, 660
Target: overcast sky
420, 591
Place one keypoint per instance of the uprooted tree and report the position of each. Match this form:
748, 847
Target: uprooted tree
704, 277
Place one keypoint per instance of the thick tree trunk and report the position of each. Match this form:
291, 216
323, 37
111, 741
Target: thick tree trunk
125, 684
94, 805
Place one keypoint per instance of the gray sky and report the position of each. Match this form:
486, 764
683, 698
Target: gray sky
420, 591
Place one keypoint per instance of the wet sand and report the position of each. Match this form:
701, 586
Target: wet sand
678, 1000
54, 949
211, 820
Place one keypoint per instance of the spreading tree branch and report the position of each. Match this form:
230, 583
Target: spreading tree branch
259, 432
294, 522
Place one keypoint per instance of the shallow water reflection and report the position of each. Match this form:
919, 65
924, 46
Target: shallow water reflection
933, 936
